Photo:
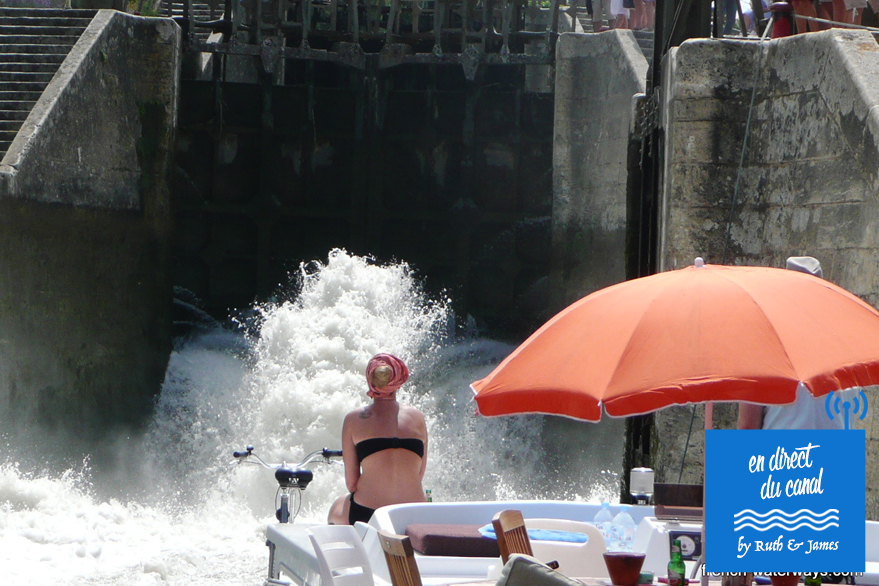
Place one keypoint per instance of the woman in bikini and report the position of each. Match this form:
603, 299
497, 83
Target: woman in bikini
384, 447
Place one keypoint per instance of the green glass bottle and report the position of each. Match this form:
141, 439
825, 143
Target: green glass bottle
812, 579
677, 572
429, 495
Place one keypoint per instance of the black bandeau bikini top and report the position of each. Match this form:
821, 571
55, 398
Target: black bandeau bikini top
376, 444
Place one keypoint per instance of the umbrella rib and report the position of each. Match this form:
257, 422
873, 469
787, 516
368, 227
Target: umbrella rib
657, 293
766, 319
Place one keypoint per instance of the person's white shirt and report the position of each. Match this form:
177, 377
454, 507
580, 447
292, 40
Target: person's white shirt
806, 412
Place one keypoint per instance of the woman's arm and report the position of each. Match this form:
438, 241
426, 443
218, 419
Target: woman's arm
424, 458
349, 453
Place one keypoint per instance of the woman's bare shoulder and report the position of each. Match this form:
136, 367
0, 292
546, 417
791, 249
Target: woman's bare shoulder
357, 415
411, 411
412, 418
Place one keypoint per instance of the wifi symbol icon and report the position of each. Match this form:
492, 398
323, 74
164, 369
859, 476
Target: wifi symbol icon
835, 407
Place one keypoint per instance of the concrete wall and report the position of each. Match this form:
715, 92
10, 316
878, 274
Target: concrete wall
108, 111
84, 228
596, 77
809, 185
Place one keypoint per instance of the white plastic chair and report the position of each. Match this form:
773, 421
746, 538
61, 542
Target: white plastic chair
369, 537
575, 559
341, 556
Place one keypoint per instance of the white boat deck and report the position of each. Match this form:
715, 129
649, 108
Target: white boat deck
293, 556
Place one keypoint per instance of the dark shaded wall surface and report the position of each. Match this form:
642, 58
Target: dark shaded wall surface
453, 177
85, 319
596, 77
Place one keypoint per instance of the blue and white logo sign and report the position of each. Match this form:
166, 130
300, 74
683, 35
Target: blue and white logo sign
784, 501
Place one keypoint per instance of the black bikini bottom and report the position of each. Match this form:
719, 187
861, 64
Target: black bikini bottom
358, 512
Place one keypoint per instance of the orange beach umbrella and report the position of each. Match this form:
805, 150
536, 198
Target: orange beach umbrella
703, 333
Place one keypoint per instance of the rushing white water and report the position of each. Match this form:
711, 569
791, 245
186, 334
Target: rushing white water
168, 508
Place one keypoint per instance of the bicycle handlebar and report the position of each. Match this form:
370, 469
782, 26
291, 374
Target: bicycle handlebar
237, 454
292, 480
323, 455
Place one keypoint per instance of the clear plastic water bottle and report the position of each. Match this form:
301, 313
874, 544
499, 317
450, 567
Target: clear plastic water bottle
623, 529
603, 520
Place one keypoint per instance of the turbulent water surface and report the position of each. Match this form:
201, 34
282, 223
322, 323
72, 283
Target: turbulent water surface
168, 508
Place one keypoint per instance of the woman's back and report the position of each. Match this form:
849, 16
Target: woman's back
390, 438
384, 444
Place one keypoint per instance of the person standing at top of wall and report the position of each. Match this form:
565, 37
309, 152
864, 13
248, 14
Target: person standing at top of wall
848, 11
807, 411
384, 447
601, 11
807, 8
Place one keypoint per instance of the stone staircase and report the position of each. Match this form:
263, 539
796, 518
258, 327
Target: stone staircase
644, 38
33, 44
645, 41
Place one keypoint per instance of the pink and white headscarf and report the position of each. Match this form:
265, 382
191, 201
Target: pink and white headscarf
400, 374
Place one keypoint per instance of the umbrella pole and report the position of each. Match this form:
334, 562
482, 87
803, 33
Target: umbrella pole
709, 424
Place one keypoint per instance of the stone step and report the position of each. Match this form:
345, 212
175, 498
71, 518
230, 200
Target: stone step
48, 58
47, 12
644, 38
14, 96
29, 66
35, 48
44, 21
17, 106
7, 135
4, 146
14, 114
25, 86
26, 76
65, 40
53, 31
11, 125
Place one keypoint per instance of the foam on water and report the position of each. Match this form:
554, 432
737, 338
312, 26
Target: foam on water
178, 513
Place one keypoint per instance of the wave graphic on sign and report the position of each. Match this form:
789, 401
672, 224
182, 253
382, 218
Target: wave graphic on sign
784, 520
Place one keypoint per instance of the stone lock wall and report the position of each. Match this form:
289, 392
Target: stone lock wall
596, 77
809, 184
85, 292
